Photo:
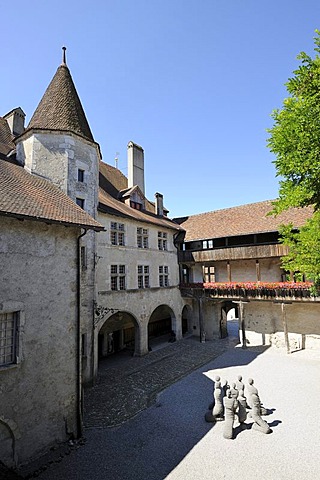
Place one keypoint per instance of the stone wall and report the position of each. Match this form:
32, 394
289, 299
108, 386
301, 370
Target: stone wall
38, 394
264, 324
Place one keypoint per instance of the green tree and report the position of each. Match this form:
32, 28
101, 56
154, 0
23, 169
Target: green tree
295, 141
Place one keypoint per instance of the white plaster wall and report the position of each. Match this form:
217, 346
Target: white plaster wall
38, 275
264, 324
58, 157
245, 270
132, 256
140, 303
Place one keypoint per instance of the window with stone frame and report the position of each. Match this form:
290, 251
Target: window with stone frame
80, 202
142, 237
162, 241
163, 276
143, 276
118, 277
9, 324
117, 234
209, 273
80, 175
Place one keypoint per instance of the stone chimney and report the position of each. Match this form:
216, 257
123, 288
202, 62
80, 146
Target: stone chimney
135, 166
159, 204
15, 120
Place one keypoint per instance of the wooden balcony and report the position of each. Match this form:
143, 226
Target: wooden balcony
232, 253
272, 291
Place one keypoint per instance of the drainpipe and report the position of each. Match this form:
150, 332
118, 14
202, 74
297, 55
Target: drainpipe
78, 342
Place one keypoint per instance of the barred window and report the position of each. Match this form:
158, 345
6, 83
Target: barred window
117, 234
143, 276
142, 237
118, 277
163, 276
162, 241
8, 338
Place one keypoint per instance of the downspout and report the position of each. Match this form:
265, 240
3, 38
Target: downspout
78, 342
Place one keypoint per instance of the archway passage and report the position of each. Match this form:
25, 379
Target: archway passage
161, 327
229, 322
117, 335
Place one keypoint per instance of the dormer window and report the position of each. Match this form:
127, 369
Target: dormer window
135, 205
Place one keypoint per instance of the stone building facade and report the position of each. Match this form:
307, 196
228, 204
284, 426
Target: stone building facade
95, 267
40, 356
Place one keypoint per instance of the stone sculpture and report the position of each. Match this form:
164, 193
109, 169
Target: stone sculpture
242, 407
259, 423
239, 383
252, 390
217, 411
230, 407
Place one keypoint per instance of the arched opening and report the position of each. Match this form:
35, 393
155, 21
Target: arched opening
186, 319
7, 445
161, 327
117, 335
229, 321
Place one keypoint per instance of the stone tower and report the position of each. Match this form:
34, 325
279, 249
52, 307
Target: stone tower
58, 145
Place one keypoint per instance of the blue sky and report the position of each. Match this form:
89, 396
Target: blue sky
191, 81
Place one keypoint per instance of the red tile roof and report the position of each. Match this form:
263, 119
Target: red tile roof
242, 220
112, 182
111, 205
27, 196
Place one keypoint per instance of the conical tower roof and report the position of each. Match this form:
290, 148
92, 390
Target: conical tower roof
60, 107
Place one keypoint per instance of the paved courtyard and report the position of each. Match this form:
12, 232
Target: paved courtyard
170, 438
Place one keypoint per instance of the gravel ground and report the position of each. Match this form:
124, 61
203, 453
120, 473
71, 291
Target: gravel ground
171, 440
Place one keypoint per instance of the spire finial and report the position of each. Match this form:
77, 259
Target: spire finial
64, 62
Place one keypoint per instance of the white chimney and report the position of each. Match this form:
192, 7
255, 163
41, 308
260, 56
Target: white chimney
159, 204
135, 166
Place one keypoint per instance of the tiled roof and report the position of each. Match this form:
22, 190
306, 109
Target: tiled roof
111, 205
60, 107
245, 219
113, 181
6, 138
27, 196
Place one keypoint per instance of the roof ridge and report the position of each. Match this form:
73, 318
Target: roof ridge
228, 208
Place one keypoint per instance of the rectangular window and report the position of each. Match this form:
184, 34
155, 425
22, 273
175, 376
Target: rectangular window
80, 202
162, 241
143, 276
163, 276
117, 234
80, 175
142, 238
118, 277
208, 273
8, 338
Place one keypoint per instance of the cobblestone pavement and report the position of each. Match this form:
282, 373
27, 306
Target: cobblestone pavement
127, 385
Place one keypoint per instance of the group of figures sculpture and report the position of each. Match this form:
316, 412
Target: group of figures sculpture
230, 402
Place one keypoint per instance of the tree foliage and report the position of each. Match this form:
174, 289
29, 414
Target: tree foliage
295, 141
